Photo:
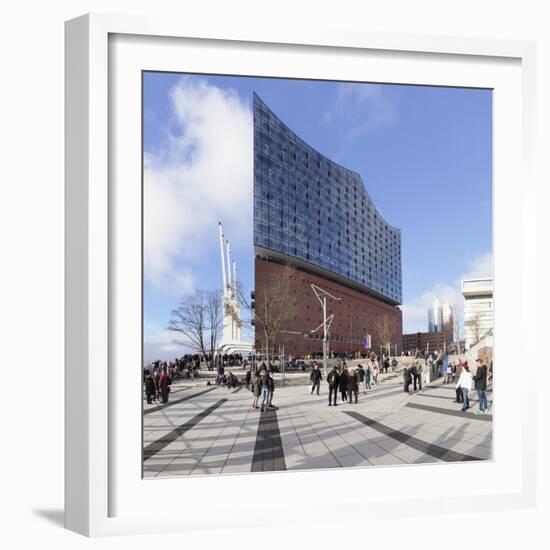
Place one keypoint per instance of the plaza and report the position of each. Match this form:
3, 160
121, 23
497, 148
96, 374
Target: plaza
327, 285
213, 430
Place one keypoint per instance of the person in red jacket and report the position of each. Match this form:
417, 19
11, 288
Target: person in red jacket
164, 385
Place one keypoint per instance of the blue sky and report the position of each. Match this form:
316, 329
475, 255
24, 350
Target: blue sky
424, 153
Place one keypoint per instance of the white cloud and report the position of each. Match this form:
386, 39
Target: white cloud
159, 344
361, 107
480, 266
204, 174
415, 315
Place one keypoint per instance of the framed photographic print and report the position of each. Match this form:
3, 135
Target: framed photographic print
293, 262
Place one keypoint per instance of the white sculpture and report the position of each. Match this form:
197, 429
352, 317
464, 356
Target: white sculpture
232, 324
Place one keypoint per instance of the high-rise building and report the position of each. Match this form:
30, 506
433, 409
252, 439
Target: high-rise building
435, 317
478, 309
440, 318
316, 216
447, 322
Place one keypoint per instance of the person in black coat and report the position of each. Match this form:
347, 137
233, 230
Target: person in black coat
266, 389
344, 377
150, 389
407, 379
353, 385
333, 380
315, 378
360, 374
480, 382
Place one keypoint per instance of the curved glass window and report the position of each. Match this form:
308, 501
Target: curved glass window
307, 207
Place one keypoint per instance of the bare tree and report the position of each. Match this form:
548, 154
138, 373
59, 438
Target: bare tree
276, 304
456, 327
474, 324
198, 318
384, 328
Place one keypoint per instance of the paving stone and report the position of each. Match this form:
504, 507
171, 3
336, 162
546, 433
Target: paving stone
312, 435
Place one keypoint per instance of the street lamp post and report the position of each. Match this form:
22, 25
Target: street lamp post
327, 321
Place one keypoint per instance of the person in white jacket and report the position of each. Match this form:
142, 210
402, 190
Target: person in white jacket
465, 384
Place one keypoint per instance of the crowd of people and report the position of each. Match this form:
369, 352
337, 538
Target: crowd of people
157, 381
228, 380
349, 382
457, 372
262, 384
466, 381
340, 380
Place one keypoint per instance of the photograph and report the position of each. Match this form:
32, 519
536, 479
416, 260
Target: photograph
317, 274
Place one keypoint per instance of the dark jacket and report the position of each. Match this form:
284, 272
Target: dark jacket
150, 388
344, 377
360, 374
266, 381
315, 375
333, 379
352, 383
480, 378
407, 375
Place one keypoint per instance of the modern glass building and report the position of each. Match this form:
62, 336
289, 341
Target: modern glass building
318, 214
315, 215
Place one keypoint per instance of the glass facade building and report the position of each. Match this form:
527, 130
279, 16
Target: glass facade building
314, 211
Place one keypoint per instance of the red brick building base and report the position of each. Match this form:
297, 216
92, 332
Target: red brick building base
355, 316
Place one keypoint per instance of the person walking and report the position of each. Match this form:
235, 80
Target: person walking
415, 376
373, 365
333, 380
465, 384
353, 386
150, 389
360, 376
265, 381
344, 384
315, 378
430, 366
164, 385
419, 368
247, 379
452, 372
449, 374
407, 378
256, 389
444, 371
271, 389
458, 391
480, 381
368, 377
375, 372
156, 377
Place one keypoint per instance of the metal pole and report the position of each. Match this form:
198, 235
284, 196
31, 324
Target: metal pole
220, 226
234, 277
325, 366
228, 253
283, 365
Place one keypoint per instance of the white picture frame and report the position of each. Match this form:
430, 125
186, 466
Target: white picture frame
103, 496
